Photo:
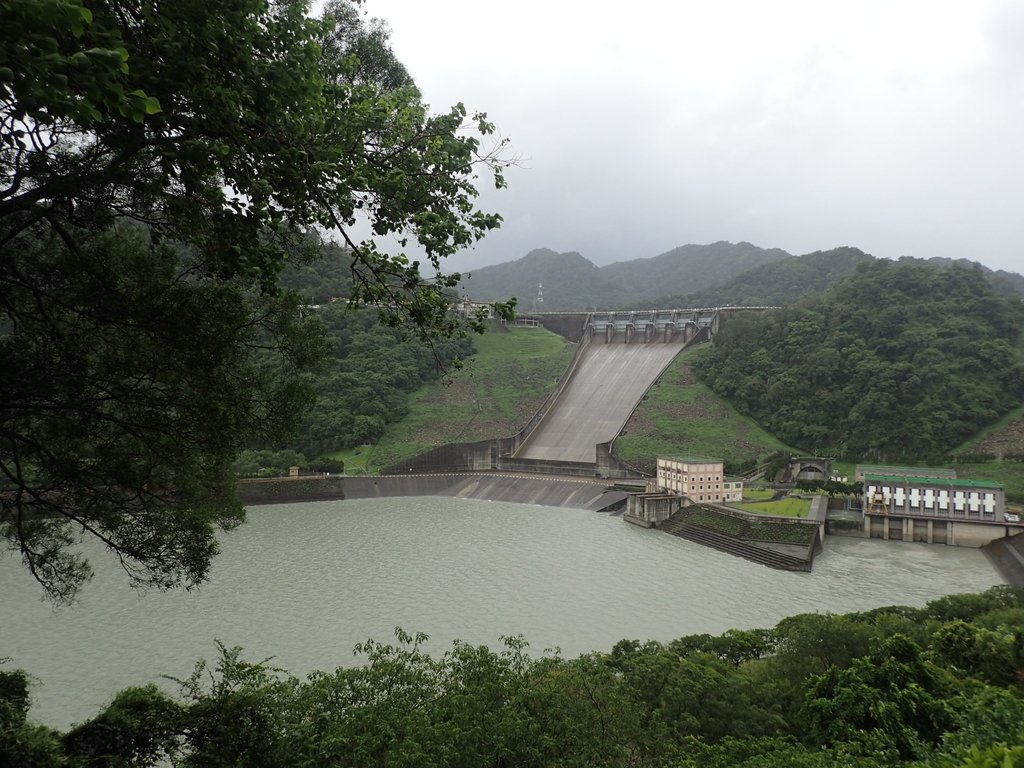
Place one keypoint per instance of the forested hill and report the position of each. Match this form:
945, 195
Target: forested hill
1009, 283
687, 268
571, 282
689, 276
775, 284
899, 361
787, 281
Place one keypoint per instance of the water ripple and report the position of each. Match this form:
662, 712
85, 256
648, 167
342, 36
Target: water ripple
305, 582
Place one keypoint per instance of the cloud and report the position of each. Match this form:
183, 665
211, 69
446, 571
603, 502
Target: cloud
893, 127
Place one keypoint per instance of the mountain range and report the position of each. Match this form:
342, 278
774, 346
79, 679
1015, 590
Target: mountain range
692, 275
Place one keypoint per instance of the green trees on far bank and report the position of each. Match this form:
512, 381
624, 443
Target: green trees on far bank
365, 382
901, 361
936, 686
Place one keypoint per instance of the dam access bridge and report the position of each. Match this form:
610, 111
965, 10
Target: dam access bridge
619, 356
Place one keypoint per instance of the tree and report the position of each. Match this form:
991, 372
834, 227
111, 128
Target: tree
158, 167
141, 726
898, 361
23, 743
890, 702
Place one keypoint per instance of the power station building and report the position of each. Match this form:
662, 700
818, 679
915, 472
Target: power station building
875, 469
935, 497
900, 504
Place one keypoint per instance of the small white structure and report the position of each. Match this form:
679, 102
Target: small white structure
732, 489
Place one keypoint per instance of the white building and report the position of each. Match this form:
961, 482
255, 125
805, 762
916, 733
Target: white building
698, 479
911, 496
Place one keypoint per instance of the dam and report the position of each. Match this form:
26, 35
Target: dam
619, 356
609, 381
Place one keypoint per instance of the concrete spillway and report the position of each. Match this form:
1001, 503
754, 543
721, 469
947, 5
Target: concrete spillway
609, 381
577, 493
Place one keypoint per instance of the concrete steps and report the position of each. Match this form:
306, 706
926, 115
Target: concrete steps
677, 525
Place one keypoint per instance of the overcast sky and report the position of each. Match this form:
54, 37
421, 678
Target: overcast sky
896, 126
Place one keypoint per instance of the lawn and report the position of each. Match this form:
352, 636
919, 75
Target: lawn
757, 494
787, 507
357, 460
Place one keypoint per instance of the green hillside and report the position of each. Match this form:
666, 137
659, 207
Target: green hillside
497, 392
680, 416
687, 268
900, 361
775, 284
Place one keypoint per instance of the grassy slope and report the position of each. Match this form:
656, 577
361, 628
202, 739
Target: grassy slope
682, 416
497, 392
1005, 436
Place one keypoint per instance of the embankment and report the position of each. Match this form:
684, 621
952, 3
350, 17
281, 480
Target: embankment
1007, 555
783, 543
521, 489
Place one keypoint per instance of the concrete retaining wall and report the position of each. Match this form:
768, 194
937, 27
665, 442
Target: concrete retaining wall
570, 325
553, 492
1007, 555
546, 467
938, 530
609, 465
478, 456
279, 490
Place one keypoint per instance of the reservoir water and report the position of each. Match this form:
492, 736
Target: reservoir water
303, 583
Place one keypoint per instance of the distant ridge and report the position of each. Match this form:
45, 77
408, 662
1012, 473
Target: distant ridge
572, 282
782, 282
691, 275
688, 269
1009, 283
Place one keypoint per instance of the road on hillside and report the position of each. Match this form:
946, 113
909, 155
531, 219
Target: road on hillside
610, 380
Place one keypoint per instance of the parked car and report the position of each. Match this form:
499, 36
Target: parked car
1011, 518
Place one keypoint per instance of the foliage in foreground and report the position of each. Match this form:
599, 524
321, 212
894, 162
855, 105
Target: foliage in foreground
938, 686
159, 165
